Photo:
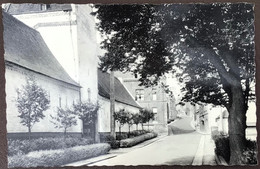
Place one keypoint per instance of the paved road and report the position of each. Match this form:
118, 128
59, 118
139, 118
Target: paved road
175, 149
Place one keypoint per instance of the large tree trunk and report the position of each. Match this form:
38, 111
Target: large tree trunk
237, 125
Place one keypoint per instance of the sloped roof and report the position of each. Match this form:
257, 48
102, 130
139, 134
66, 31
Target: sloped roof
26, 8
25, 47
121, 94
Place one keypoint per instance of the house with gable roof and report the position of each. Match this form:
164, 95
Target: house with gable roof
123, 100
30, 48
26, 54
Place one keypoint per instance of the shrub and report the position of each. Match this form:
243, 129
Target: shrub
135, 133
26, 146
250, 153
58, 157
223, 149
138, 133
112, 141
135, 140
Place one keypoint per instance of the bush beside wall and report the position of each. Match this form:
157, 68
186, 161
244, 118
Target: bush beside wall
135, 140
58, 157
26, 146
223, 149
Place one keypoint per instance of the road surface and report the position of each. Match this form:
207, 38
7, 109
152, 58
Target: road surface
178, 148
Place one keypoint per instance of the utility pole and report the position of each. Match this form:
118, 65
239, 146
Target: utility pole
112, 104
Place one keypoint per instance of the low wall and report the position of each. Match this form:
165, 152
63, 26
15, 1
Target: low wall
41, 134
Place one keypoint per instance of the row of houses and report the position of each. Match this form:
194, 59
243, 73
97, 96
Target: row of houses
58, 45
208, 118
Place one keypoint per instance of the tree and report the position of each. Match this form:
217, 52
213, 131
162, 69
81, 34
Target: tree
121, 117
87, 112
146, 116
136, 119
65, 118
129, 121
32, 100
210, 48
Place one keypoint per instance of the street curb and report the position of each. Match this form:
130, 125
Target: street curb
109, 155
74, 164
198, 158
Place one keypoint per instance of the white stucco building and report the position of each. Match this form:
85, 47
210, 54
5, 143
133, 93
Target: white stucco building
26, 54
58, 42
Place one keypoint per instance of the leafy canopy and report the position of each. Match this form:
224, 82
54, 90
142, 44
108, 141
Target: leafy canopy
32, 100
86, 111
209, 47
64, 119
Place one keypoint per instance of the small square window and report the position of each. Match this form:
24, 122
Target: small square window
139, 94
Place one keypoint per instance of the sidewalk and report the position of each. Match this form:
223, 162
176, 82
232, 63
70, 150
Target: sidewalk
115, 152
205, 154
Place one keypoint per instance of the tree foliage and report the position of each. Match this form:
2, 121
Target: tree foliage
136, 119
146, 116
209, 47
64, 119
32, 100
86, 111
121, 117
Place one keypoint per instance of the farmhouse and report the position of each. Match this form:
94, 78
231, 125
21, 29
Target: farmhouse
26, 54
46, 44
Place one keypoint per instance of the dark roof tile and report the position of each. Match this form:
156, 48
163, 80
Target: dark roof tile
121, 94
24, 46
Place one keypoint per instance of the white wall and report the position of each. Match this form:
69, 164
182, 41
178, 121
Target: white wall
15, 78
59, 31
87, 52
104, 115
71, 37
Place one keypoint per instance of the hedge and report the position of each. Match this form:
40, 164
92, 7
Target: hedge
58, 157
135, 140
223, 149
26, 146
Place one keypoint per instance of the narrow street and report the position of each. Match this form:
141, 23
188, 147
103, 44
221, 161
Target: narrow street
178, 148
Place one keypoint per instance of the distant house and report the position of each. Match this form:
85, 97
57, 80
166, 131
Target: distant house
123, 100
152, 98
251, 132
26, 54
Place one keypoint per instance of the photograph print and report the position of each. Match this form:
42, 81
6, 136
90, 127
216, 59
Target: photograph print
136, 84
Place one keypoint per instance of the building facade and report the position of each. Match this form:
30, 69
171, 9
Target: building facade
123, 100
70, 34
26, 54
151, 98
67, 32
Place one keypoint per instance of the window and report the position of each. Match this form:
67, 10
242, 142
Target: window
155, 113
59, 101
139, 94
48, 6
89, 94
155, 110
154, 94
44, 7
